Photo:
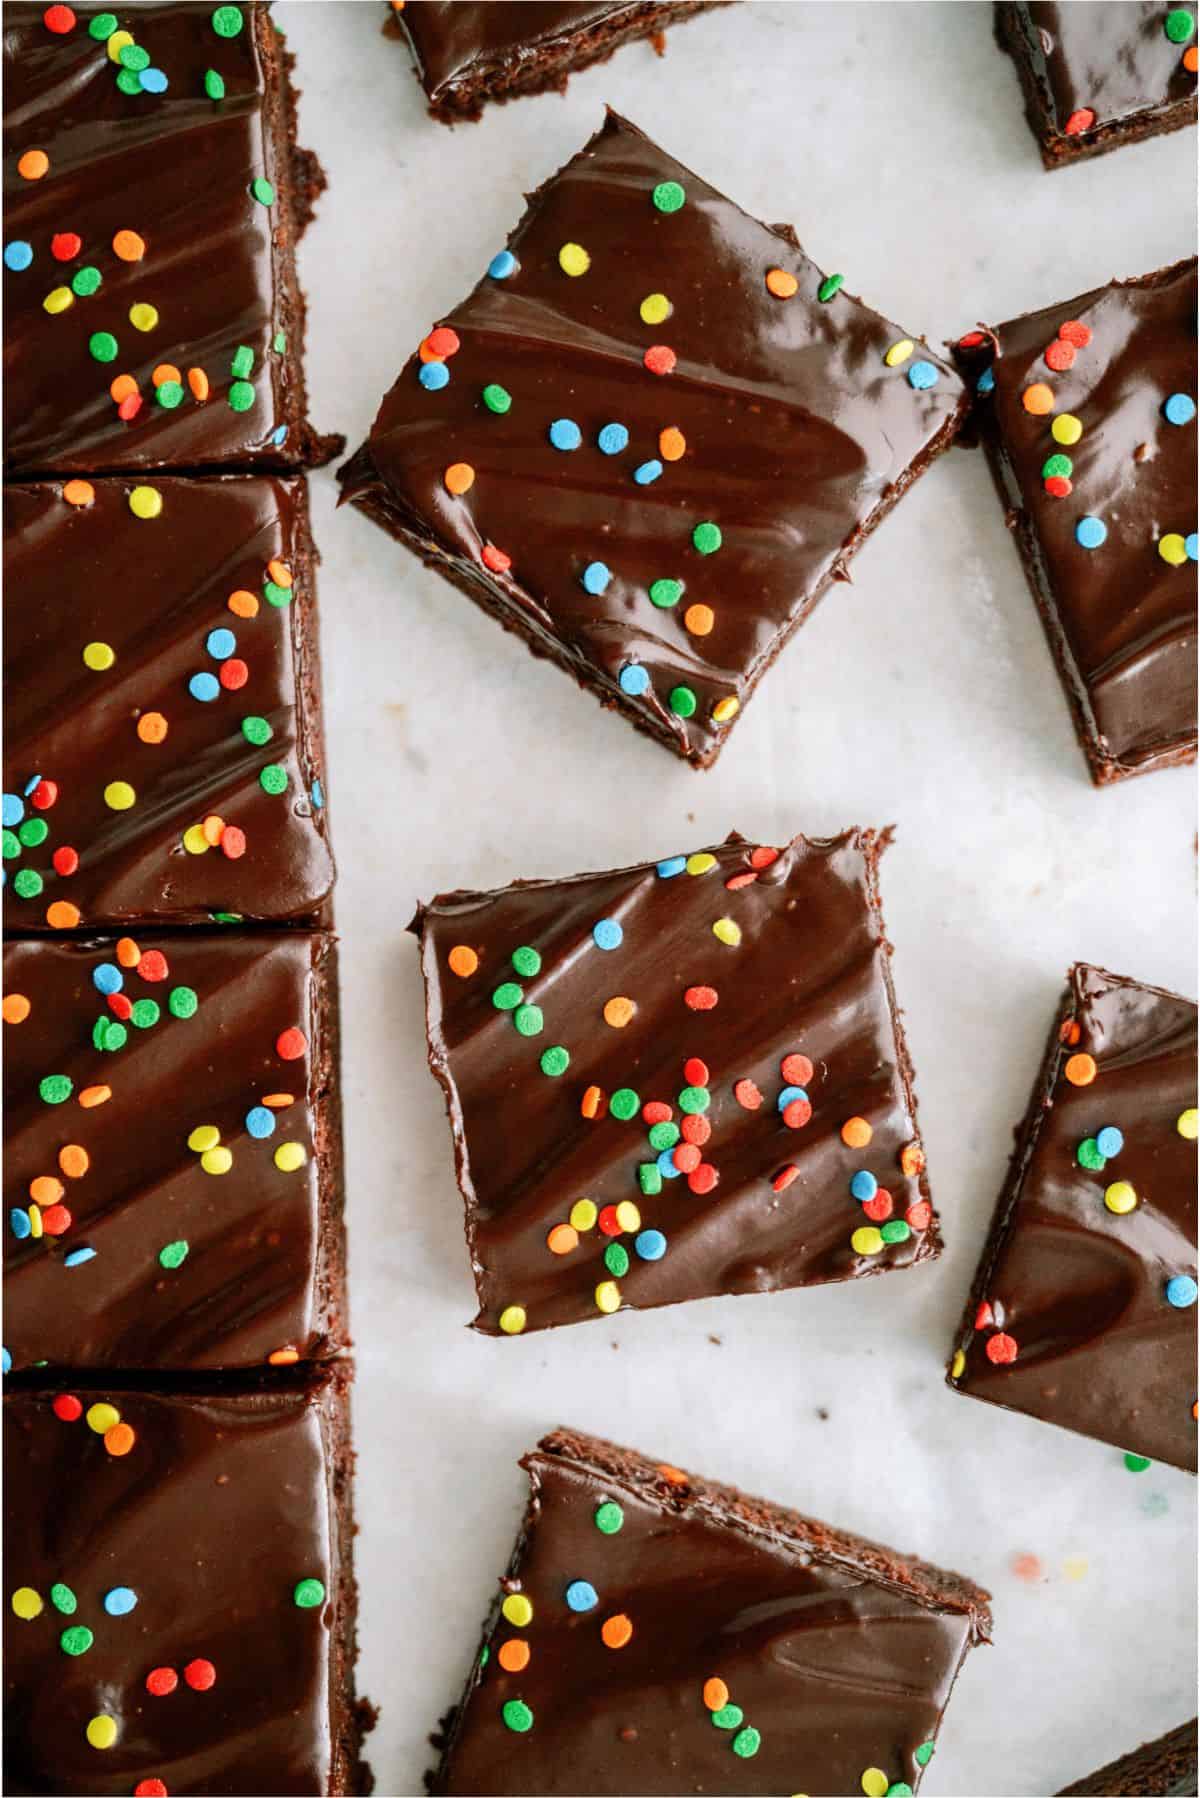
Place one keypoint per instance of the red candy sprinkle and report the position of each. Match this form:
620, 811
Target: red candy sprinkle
763, 856
290, 1044
609, 1222
150, 1788
797, 1114
65, 860
655, 1112
695, 1071
703, 1178
56, 1220
700, 998
443, 341
971, 340
495, 559
1060, 354
44, 795
797, 1070
200, 1675
736, 882
695, 1128
686, 1157
1001, 1349
1057, 485
747, 1095
920, 1215
59, 19
233, 842
65, 245
129, 408
983, 1316
1075, 332
659, 359
234, 674
121, 1006
879, 1207
785, 1176
161, 1681
153, 965
67, 1408
1083, 120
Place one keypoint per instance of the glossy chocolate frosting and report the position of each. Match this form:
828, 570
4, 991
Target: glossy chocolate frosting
218, 1510
799, 437
1109, 57
1080, 1289
262, 1266
154, 590
452, 40
839, 1654
176, 169
809, 976
1121, 620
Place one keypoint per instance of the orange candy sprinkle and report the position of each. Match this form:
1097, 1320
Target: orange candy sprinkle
618, 1012
62, 915
33, 165
46, 1190
459, 478
277, 1101
463, 961
166, 371
128, 246
716, 1694
243, 604
671, 444
284, 1357
121, 387
513, 1655
912, 1159
212, 829
152, 727
1191, 59
119, 1439
280, 573
128, 953
198, 383
1080, 1070
562, 1239
616, 1631
699, 620
674, 1476
591, 1102
91, 1096
781, 284
15, 1008
1038, 399
74, 1161
856, 1133
79, 493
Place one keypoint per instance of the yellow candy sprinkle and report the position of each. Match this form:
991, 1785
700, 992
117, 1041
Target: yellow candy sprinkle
143, 316
58, 299
628, 1216
217, 1161
102, 1731
875, 1782
289, 1156
35, 1222
1173, 549
1188, 1123
99, 656
102, 1417
1120, 1197
899, 352
725, 709
957, 1365
26, 1603
512, 1322
195, 841
116, 42
516, 1608
573, 259
726, 931
655, 308
867, 1241
204, 1136
145, 502
583, 1215
701, 862
1066, 428
119, 796
608, 1296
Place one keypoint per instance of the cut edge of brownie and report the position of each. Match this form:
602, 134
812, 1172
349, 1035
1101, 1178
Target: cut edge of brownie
1103, 767
1163, 1768
330, 1271
547, 66
772, 1526
1058, 148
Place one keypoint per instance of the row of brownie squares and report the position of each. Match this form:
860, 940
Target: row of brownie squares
180, 1606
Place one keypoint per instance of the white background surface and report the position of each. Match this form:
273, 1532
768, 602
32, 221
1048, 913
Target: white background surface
892, 135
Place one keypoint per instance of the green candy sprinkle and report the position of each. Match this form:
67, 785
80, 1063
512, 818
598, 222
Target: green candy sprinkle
145, 1013
169, 394
747, 1743
895, 1230
899, 1789
668, 196
55, 1089
109, 1035
225, 917
527, 961
227, 21
103, 26
307, 1594
243, 361
517, 1716
695, 1099
683, 702
27, 883
134, 58
529, 1020
555, 1061
275, 595
666, 593
103, 346
214, 85
829, 286
182, 1002
263, 192
485, 1655
1137, 1463
1089, 1156
10, 845
1056, 465
730, 1716
608, 1517
256, 731
650, 1179
1179, 24
273, 779
173, 1254
662, 1136
707, 537
624, 1103
279, 342
924, 1754
496, 398
76, 1640
507, 996
128, 82
616, 1259
63, 1599
33, 832
241, 396
85, 281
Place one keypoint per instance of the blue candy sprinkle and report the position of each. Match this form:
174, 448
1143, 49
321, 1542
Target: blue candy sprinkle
581, 1596
565, 434
613, 439
863, 1185
18, 254
35, 780
221, 645
502, 265
674, 864
204, 686
607, 934
77, 1257
107, 978
651, 1245
788, 1094
1090, 532
596, 577
649, 471
1109, 1141
1181, 1291
317, 794
433, 376
260, 1122
279, 435
1180, 409
986, 382
1192, 545
19, 1223
120, 1600
13, 810
153, 81
634, 680
5, 1361
922, 375
666, 1165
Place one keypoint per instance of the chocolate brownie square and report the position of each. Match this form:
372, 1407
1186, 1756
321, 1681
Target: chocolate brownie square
1165, 1768
154, 196
181, 1601
173, 1162
163, 761
658, 1633
1088, 413
676, 1080
1096, 76
651, 437
1084, 1307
